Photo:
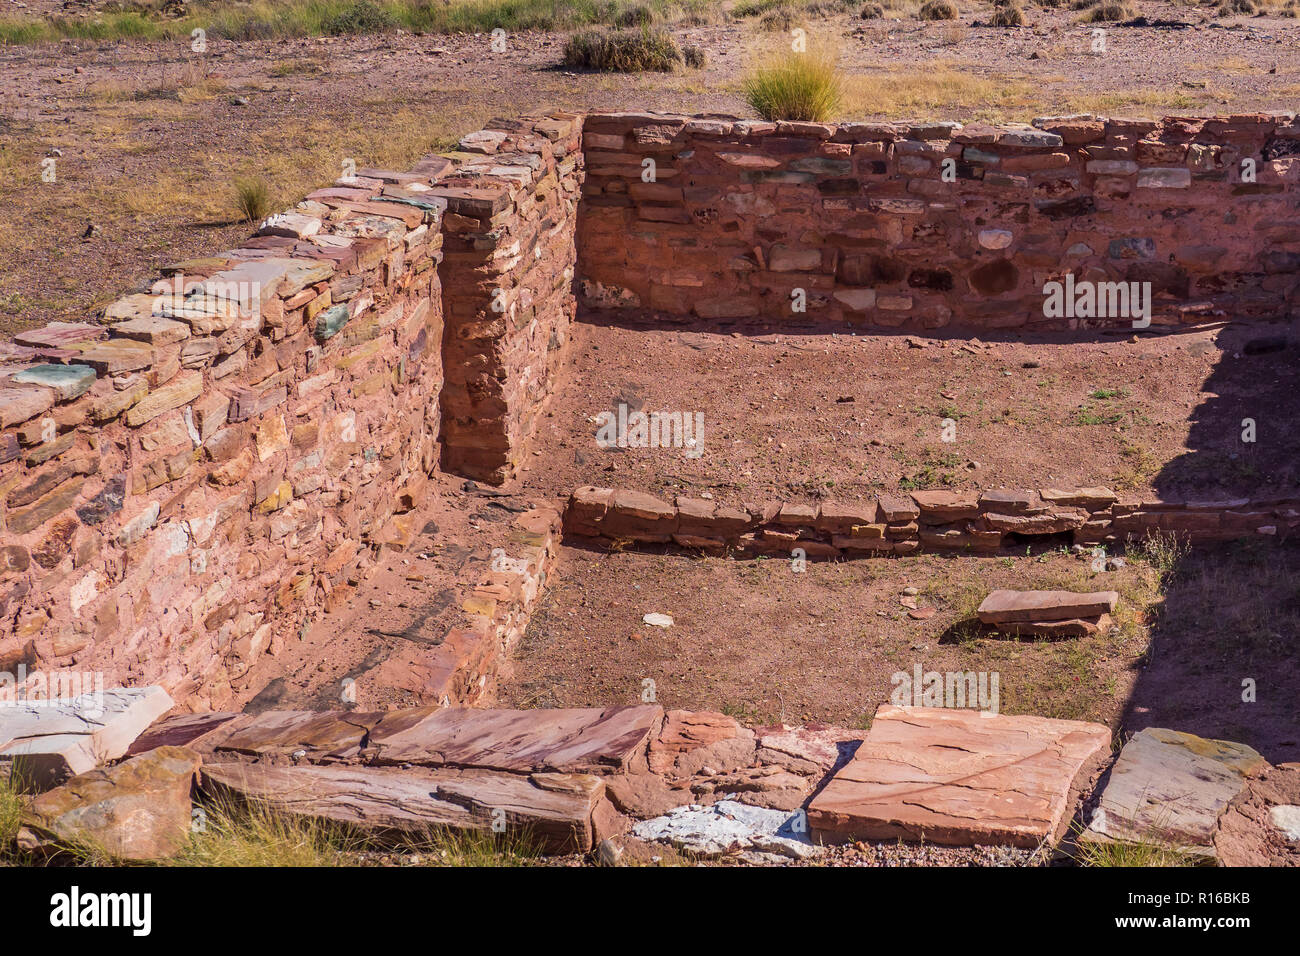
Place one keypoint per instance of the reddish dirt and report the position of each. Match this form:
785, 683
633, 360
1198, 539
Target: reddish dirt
800, 414
154, 118
767, 645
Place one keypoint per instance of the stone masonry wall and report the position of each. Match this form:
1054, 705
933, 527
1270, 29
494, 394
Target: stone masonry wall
507, 283
188, 481
858, 215
921, 521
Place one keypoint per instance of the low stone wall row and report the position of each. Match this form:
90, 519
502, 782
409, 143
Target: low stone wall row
924, 520
198, 471
924, 226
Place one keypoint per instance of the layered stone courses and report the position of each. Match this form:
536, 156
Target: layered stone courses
924, 520
232, 448
920, 227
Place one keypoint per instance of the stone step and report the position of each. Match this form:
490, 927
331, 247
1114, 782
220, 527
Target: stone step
553, 812
562, 740
958, 777
1005, 606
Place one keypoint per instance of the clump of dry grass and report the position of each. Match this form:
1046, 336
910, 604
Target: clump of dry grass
801, 87
1110, 11
938, 10
1007, 15
252, 198
628, 51
1236, 8
872, 11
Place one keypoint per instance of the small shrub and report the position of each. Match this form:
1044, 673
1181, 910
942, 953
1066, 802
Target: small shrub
1236, 8
801, 87
1292, 10
361, 17
623, 51
1110, 11
780, 20
872, 11
694, 57
252, 198
1083, 4
1008, 16
938, 10
638, 16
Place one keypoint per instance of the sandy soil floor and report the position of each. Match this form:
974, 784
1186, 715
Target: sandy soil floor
755, 640
824, 414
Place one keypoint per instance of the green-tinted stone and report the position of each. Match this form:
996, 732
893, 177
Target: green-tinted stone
330, 322
67, 381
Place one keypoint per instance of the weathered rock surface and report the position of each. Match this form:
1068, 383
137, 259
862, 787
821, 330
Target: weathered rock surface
813, 749
1170, 788
730, 827
566, 740
552, 810
1002, 606
137, 810
50, 741
957, 777
694, 740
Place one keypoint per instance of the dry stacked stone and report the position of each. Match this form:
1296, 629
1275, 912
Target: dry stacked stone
894, 225
183, 481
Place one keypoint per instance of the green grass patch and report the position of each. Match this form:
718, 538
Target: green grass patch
799, 87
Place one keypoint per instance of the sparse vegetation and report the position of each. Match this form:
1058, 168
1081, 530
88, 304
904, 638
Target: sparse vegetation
629, 51
938, 10
1007, 15
872, 11
252, 198
1237, 8
1110, 11
803, 87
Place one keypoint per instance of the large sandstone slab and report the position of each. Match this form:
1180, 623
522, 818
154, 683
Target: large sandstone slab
958, 777
552, 811
1003, 606
1170, 788
318, 736
137, 810
565, 740
49, 741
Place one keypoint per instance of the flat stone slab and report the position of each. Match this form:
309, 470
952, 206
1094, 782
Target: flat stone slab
552, 811
566, 740
1003, 606
730, 827
49, 741
318, 736
1169, 788
957, 777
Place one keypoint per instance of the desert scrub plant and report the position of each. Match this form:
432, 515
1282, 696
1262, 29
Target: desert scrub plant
625, 51
1237, 8
252, 198
1110, 11
779, 20
363, 16
636, 16
1007, 15
937, 10
872, 11
799, 87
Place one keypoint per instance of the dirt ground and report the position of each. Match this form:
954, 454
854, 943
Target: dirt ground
814, 414
149, 137
764, 644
